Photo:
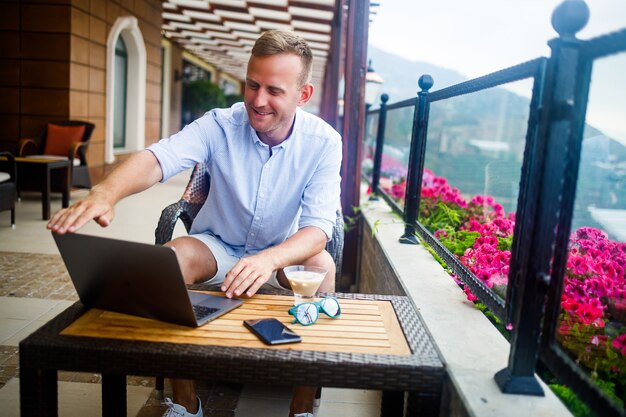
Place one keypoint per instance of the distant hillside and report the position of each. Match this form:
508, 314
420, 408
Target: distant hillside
401, 75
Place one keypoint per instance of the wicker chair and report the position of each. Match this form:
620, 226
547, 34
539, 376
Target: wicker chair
76, 152
190, 204
8, 181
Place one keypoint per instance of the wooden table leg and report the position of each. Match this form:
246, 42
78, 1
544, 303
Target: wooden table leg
38, 392
45, 197
66, 188
113, 395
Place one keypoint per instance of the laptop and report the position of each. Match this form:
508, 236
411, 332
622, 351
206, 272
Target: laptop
136, 278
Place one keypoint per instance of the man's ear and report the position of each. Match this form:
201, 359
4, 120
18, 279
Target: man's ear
306, 92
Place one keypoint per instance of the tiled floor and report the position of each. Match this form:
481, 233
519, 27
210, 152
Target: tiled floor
34, 287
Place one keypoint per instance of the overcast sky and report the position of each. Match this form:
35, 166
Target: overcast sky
480, 36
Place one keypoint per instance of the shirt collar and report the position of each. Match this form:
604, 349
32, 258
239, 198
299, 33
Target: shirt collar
284, 144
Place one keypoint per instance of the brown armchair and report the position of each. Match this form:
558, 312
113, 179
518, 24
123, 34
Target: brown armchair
66, 139
8, 181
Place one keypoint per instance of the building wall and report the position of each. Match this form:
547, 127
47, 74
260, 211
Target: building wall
34, 68
53, 65
377, 275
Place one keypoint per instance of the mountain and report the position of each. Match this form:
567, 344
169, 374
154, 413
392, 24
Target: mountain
401, 75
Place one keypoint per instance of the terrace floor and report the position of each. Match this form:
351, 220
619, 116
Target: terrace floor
34, 287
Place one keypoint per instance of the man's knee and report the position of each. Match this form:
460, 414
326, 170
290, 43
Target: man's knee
326, 261
196, 260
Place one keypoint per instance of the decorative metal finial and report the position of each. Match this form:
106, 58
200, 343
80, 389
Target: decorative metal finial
384, 98
570, 17
425, 82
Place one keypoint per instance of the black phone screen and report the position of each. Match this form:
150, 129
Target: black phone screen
271, 331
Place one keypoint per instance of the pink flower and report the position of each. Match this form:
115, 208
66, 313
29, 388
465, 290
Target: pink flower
599, 340
619, 343
470, 295
477, 200
440, 233
398, 190
590, 313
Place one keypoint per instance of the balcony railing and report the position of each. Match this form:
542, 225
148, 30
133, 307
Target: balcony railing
492, 181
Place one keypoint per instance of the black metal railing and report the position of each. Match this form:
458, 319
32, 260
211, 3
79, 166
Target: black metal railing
545, 202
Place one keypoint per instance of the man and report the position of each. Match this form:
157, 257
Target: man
275, 188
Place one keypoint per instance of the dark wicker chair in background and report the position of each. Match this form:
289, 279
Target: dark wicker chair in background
76, 152
8, 185
190, 204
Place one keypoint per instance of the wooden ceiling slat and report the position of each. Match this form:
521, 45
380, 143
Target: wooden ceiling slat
208, 43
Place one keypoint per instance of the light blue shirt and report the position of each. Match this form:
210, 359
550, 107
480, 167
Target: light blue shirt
256, 200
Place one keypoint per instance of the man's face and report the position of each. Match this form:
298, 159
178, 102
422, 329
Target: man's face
273, 93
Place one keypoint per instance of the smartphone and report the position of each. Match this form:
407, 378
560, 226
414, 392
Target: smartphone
271, 331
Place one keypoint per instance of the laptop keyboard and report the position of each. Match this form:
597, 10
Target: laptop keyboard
202, 311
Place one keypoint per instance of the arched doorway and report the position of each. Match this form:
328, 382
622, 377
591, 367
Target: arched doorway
125, 89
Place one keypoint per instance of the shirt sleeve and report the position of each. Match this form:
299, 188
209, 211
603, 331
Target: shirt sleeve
321, 197
186, 148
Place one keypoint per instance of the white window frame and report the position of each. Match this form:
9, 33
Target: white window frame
128, 28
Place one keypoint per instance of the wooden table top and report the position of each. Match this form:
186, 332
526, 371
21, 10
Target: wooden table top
365, 326
35, 160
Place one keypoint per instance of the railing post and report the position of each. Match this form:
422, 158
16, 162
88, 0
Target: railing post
380, 142
416, 161
552, 151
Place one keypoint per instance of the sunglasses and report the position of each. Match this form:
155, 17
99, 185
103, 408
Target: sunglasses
307, 313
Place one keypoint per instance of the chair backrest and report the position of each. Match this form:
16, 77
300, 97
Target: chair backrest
43, 136
197, 191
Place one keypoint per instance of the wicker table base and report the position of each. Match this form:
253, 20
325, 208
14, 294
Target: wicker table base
419, 372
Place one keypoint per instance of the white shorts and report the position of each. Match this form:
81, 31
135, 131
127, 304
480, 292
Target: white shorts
225, 262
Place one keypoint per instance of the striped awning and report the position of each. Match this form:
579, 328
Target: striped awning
222, 32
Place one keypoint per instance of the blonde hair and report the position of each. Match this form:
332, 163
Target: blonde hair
275, 42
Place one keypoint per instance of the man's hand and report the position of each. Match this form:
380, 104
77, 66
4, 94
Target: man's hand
95, 206
137, 173
248, 275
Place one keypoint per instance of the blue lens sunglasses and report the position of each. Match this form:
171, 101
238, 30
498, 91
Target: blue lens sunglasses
307, 313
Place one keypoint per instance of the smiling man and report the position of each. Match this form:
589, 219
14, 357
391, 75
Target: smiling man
274, 193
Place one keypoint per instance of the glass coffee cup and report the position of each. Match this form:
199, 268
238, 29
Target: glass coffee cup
304, 281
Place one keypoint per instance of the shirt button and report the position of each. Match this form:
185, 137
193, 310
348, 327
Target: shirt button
257, 218
261, 195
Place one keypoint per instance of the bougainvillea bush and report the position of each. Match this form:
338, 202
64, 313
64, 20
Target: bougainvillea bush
592, 324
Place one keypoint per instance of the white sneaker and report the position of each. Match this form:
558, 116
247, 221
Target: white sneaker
303, 415
177, 410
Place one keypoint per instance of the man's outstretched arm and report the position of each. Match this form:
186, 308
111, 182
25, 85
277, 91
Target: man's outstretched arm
137, 173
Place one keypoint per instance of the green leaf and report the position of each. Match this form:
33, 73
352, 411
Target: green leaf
505, 243
567, 396
375, 227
